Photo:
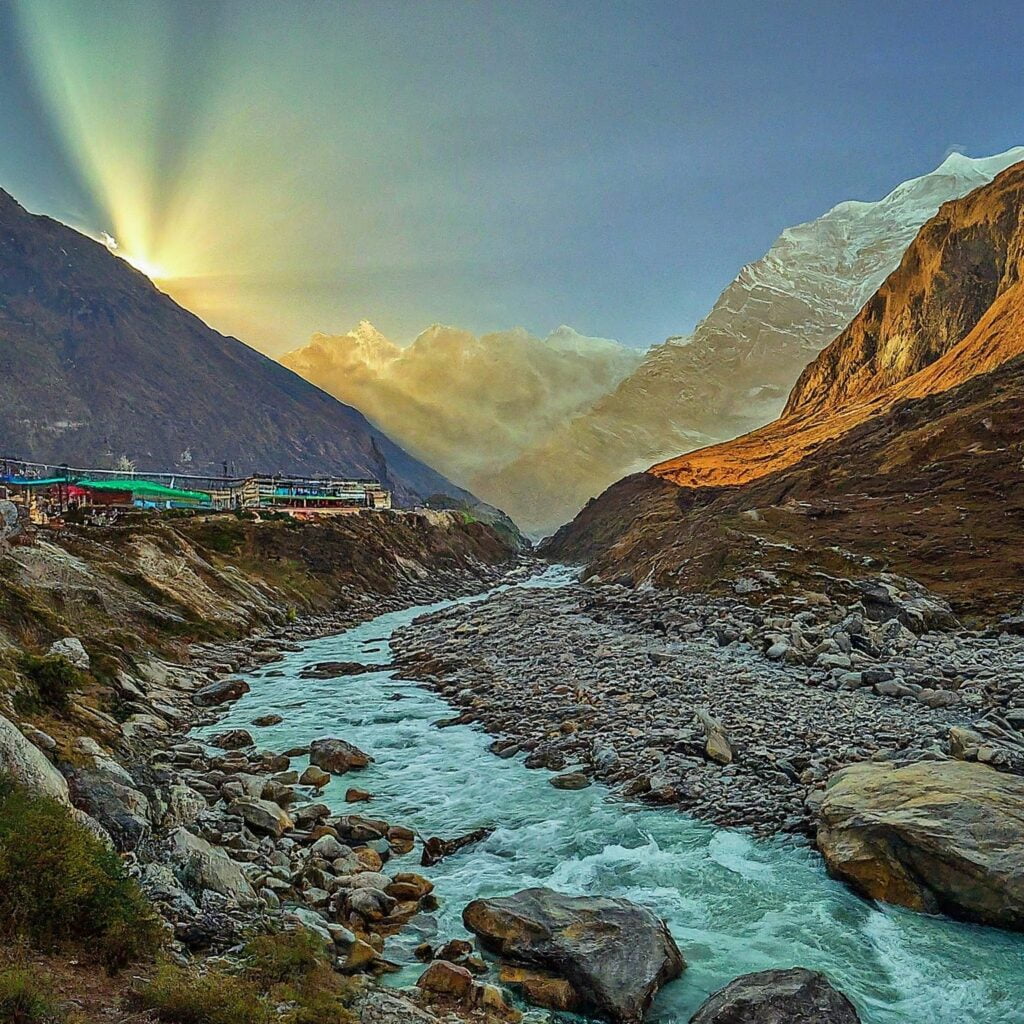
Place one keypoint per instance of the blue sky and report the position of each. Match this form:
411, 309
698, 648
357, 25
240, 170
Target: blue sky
298, 167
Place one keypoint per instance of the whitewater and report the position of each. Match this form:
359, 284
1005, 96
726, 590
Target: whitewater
734, 904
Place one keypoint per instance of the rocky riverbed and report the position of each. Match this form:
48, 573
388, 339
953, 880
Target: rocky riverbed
734, 712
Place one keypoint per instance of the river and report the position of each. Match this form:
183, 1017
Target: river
734, 904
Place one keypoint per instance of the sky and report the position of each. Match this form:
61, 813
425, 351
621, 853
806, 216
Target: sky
287, 168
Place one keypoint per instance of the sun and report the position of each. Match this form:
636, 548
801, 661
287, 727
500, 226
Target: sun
152, 270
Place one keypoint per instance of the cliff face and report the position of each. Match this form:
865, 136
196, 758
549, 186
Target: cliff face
734, 373
960, 263
902, 444
949, 312
164, 582
96, 363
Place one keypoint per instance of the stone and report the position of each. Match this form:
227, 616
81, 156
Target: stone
315, 777
267, 720
329, 848
542, 988
717, 747
615, 955
337, 756
933, 836
27, 764
369, 903
221, 692
571, 780
196, 862
442, 978
795, 996
357, 796
964, 742
71, 649
309, 814
262, 816
232, 739
102, 792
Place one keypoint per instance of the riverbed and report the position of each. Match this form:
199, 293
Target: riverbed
734, 904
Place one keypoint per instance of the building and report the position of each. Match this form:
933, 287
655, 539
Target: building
304, 497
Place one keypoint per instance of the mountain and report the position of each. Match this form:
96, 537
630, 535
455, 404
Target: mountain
464, 403
901, 445
97, 364
734, 372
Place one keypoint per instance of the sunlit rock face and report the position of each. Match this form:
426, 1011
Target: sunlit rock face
735, 372
469, 404
900, 446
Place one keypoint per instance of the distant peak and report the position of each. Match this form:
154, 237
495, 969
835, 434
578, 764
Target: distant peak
959, 163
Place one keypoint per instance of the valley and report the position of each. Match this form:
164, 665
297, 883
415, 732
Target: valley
297, 727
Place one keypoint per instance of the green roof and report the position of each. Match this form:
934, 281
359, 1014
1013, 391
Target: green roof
144, 489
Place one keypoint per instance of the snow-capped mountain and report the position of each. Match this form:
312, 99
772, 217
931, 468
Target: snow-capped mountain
736, 370
472, 402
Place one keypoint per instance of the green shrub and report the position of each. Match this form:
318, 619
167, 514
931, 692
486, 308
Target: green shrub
60, 885
53, 679
24, 998
177, 995
293, 969
284, 957
285, 978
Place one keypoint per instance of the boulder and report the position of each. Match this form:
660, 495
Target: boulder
315, 777
119, 807
716, 747
232, 739
571, 780
442, 978
262, 816
614, 954
220, 692
337, 756
27, 764
184, 805
195, 862
266, 720
9, 525
794, 996
71, 649
933, 836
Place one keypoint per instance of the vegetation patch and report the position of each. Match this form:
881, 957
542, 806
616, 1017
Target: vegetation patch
51, 679
60, 886
287, 978
25, 998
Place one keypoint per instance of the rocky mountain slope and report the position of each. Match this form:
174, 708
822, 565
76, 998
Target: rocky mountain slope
734, 373
901, 445
96, 363
465, 404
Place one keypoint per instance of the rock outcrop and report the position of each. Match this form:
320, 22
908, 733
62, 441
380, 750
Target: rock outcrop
795, 996
900, 448
26, 763
337, 756
613, 954
733, 374
933, 836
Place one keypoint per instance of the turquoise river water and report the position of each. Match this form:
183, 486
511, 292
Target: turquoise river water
734, 904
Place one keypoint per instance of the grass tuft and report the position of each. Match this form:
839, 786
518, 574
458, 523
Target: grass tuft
60, 886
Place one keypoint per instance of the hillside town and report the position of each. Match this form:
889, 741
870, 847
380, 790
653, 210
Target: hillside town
49, 493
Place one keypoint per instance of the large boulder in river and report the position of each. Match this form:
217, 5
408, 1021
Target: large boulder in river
25, 763
614, 954
795, 996
933, 836
337, 756
221, 692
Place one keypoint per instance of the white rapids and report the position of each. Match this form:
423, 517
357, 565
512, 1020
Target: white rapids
734, 904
